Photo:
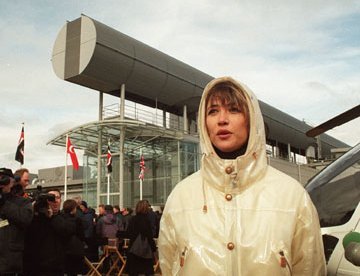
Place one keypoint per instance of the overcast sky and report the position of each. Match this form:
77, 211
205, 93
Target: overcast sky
302, 57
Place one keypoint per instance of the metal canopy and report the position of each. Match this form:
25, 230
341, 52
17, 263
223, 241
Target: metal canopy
137, 134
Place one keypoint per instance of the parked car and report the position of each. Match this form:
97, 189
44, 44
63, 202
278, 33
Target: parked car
335, 192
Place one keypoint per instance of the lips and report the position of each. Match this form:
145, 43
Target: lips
223, 134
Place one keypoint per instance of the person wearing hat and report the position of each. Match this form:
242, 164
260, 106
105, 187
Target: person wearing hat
15, 216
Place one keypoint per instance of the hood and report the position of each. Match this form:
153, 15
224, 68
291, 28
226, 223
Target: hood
233, 175
109, 218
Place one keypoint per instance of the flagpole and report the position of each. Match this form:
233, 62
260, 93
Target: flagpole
141, 182
108, 176
66, 172
108, 189
23, 125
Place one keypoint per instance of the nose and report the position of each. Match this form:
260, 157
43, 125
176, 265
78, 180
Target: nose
223, 117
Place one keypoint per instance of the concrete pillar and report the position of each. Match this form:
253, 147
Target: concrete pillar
121, 147
186, 127
98, 183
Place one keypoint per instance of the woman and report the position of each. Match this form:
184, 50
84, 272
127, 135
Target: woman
140, 225
237, 215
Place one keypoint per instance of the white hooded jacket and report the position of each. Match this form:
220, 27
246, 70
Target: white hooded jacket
239, 216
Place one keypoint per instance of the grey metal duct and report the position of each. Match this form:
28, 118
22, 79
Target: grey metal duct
94, 55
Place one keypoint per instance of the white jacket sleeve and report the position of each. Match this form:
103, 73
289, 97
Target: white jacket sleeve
167, 245
307, 246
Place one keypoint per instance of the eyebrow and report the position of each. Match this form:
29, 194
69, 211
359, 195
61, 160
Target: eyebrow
213, 105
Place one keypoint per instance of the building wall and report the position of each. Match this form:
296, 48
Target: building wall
302, 173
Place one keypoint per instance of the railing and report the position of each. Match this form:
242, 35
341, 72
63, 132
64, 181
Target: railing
145, 114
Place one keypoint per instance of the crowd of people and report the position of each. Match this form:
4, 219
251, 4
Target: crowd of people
40, 235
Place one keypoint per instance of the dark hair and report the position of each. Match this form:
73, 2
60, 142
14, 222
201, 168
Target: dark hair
83, 203
54, 190
69, 205
109, 209
229, 94
142, 207
20, 172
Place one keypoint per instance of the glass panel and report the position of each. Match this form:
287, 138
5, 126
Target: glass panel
336, 200
165, 167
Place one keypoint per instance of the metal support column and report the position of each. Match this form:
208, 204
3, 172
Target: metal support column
164, 119
289, 152
186, 127
101, 102
179, 161
319, 150
121, 147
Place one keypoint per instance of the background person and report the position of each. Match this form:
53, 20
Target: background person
108, 225
24, 179
140, 224
88, 218
74, 248
237, 215
23, 173
15, 216
46, 237
126, 217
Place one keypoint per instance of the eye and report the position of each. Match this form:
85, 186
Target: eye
235, 109
211, 111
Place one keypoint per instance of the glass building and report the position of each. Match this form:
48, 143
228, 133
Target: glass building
170, 154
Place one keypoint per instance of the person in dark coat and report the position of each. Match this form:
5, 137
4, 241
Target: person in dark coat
126, 217
140, 224
74, 248
152, 218
44, 252
88, 219
15, 216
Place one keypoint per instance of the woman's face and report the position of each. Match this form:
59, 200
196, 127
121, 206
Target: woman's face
226, 125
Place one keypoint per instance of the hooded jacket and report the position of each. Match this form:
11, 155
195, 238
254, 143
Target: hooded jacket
239, 216
108, 226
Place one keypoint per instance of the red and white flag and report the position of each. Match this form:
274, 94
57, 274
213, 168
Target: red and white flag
71, 150
142, 168
109, 160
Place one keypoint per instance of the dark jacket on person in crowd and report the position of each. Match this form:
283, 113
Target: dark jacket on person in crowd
45, 245
87, 218
140, 224
74, 247
15, 216
126, 217
108, 226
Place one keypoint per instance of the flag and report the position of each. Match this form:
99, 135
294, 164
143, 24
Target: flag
109, 160
71, 150
142, 168
19, 155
